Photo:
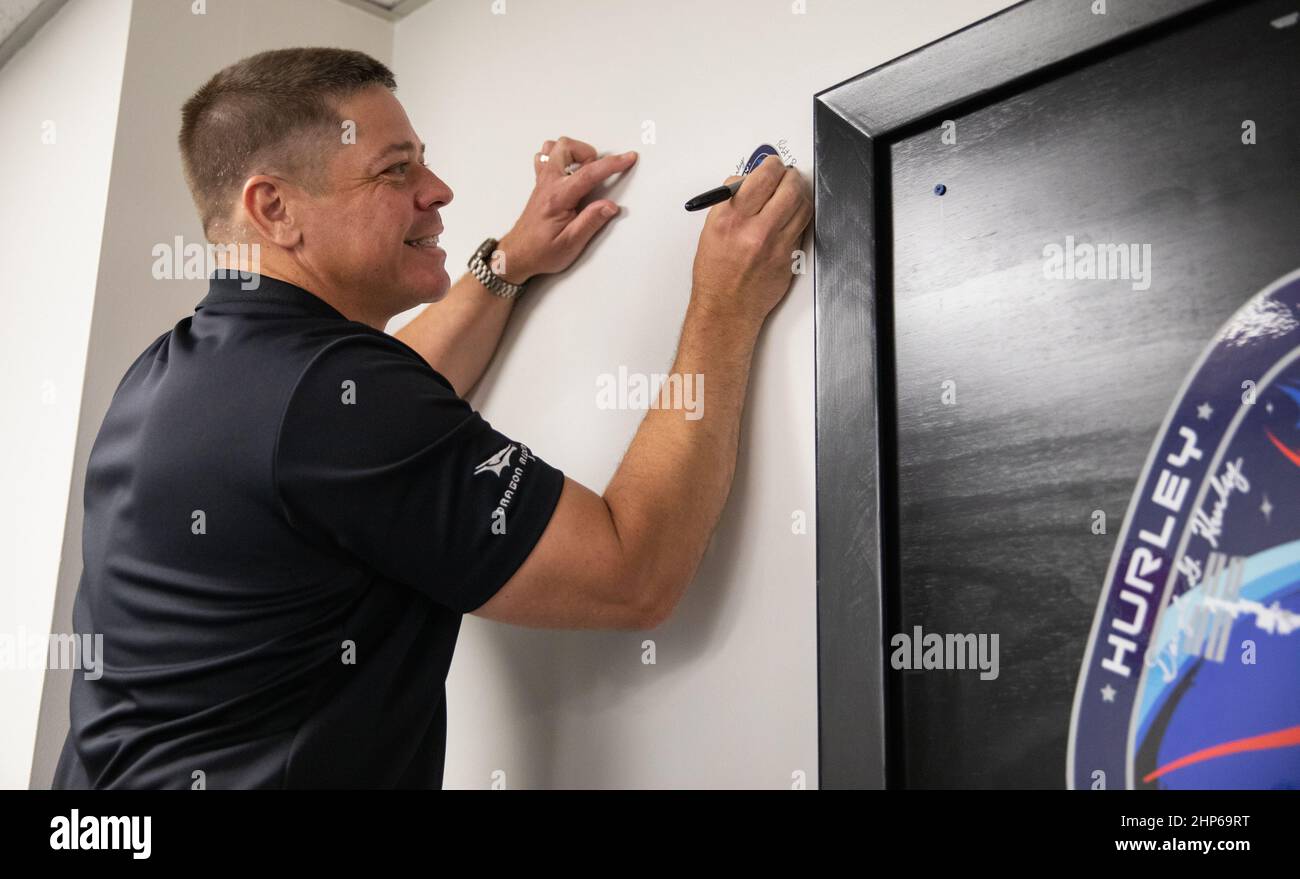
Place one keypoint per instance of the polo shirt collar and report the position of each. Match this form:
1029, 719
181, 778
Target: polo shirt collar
262, 289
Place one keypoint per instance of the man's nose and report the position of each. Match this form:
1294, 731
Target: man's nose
433, 192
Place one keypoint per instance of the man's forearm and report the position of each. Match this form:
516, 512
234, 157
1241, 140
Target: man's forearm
668, 493
459, 334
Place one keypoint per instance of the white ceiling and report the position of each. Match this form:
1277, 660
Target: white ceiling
13, 13
19, 19
389, 9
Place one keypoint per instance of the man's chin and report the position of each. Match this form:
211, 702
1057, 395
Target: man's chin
429, 286
425, 274
440, 288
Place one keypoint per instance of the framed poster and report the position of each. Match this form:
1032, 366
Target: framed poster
1046, 246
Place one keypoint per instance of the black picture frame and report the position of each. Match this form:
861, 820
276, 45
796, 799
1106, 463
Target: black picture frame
856, 454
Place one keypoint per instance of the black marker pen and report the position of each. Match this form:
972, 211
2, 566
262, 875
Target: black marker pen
713, 196
727, 190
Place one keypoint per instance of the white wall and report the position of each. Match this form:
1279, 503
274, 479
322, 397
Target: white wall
170, 53
732, 698
58, 100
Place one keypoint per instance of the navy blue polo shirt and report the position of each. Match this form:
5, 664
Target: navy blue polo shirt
287, 513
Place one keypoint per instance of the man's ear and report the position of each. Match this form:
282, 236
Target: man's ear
265, 201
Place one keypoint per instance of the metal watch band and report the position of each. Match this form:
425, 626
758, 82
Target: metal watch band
494, 283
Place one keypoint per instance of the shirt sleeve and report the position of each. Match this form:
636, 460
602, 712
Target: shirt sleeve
379, 457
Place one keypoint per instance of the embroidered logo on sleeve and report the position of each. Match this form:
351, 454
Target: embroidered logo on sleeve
497, 463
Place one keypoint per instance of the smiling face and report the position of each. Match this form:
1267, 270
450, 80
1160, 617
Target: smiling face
367, 238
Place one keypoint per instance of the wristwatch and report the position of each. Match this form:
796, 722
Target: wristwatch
479, 268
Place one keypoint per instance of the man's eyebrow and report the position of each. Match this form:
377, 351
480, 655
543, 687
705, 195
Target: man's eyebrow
403, 147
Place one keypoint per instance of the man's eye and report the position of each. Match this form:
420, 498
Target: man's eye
399, 168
